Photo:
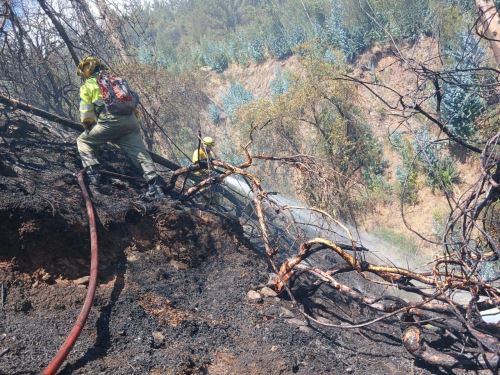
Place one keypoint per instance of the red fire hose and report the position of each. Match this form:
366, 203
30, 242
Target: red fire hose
64, 350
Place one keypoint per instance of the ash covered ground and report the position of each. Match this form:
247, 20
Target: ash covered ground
174, 278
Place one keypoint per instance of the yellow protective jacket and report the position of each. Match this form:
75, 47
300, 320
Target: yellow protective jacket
201, 155
90, 97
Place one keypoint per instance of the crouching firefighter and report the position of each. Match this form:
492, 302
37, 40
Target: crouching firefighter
202, 156
107, 112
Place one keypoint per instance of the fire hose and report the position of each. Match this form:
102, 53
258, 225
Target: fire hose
65, 348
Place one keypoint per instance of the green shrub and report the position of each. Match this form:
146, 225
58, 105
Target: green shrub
439, 219
237, 49
256, 50
280, 83
214, 55
214, 113
380, 191
462, 103
439, 169
296, 36
407, 172
236, 97
277, 43
490, 271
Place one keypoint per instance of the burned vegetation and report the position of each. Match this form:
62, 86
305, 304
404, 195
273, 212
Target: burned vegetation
224, 276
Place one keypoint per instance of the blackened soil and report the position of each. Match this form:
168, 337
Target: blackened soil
173, 283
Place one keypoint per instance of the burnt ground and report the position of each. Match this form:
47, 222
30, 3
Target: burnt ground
173, 282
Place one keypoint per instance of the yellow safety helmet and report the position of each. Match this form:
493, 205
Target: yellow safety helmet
208, 141
88, 64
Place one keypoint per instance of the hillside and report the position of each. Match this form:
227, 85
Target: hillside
378, 63
173, 282
346, 218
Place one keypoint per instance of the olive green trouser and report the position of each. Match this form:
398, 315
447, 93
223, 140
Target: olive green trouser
122, 131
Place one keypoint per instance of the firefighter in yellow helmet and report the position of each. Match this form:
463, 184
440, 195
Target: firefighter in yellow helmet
204, 152
103, 127
202, 155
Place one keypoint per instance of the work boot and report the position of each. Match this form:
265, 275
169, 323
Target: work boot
94, 175
156, 188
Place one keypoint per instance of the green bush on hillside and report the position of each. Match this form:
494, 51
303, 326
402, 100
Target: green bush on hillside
439, 169
253, 30
276, 42
280, 83
406, 173
256, 50
236, 97
214, 55
462, 103
214, 113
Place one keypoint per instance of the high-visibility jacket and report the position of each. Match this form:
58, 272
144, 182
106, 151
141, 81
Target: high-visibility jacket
201, 155
90, 97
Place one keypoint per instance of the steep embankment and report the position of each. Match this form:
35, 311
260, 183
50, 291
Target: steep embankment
172, 294
379, 64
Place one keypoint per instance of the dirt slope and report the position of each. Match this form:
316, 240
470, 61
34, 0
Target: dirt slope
172, 295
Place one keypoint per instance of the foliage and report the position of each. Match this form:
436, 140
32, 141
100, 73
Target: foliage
237, 49
276, 42
296, 36
462, 103
236, 97
256, 50
440, 170
460, 108
406, 173
318, 117
280, 83
254, 30
439, 218
336, 32
329, 56
214, 113
214, 55
490, 271
380, 191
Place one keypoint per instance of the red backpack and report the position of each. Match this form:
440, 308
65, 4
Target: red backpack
117, 95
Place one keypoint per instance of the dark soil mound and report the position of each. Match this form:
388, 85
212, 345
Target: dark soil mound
172, 295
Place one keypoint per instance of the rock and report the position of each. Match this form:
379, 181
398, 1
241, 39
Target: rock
254, 296
178, 265
82, 280
274, 348
349, 370
305, 329
158, 339
46, 276
296, 322
271, 282
268, 292
285, 313
132, 257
